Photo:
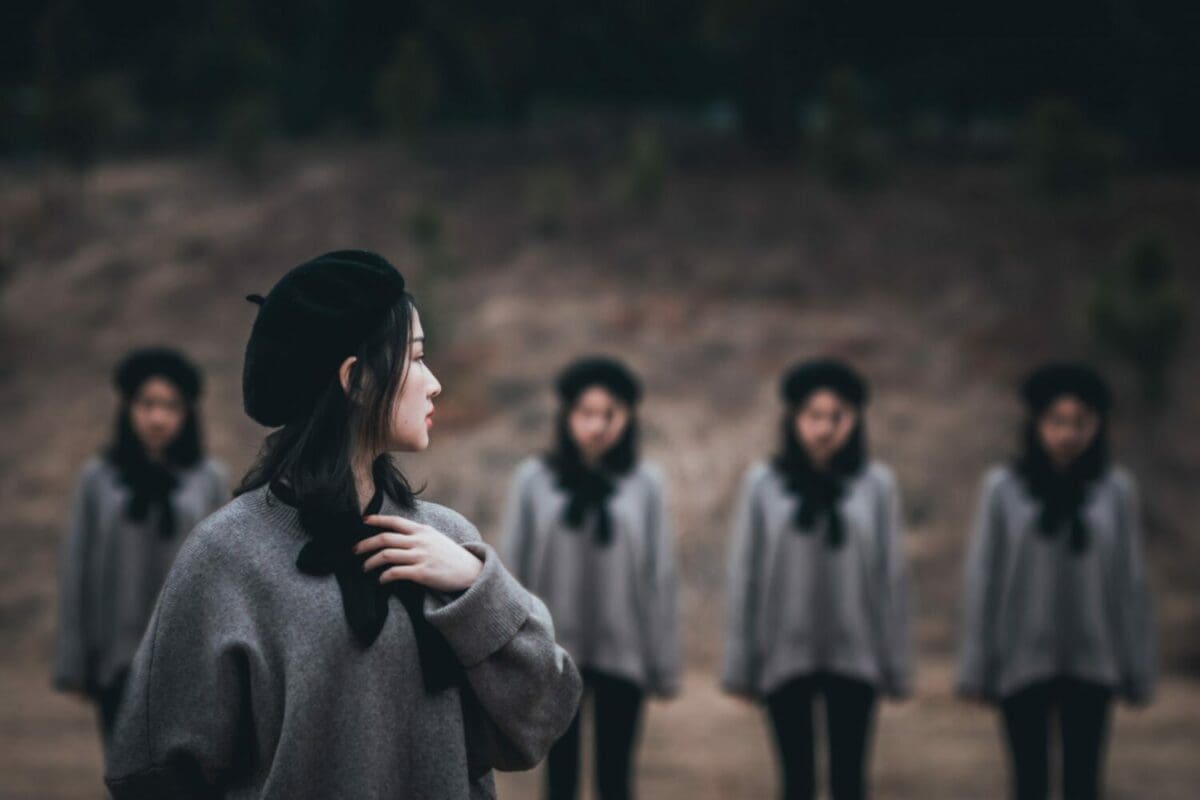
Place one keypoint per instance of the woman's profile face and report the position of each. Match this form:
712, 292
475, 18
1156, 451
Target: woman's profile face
157, 413
824, 424
412, 410
596, 422
1066, 428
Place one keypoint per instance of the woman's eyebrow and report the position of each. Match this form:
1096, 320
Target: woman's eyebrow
419, 340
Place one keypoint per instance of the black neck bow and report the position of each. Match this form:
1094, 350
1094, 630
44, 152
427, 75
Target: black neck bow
1061, 496
365, 599
150, 485
588, 490
820, 494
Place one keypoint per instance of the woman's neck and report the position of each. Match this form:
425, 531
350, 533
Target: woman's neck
821, 466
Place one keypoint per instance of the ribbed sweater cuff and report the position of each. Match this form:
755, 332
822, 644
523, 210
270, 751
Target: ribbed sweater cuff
486, 616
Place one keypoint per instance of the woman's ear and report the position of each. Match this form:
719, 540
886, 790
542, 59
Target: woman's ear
344, 373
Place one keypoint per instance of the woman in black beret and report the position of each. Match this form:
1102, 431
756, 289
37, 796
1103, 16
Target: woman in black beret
818, 593
329, 634
133, 505
1056, 613
586, 530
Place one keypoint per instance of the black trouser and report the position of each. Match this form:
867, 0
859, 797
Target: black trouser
849, 710
108, 703
1083, 711
616, 708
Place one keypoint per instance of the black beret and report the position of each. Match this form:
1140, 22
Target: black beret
317, 315
612, 375
823, 373
1050, 381
157, 362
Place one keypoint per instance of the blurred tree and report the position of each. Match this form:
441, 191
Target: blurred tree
407, 89
776, 50
246, 126
330, 64
848, 151
548, 190
424, 224
1062, 153
439, 271
69, 118
491, 50
1137, 312
642, 178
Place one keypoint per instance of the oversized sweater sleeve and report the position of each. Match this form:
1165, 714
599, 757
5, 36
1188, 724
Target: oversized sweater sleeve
664, 645
740, 672
516, 528
1137, 638
897, 603
71, 670
186, 712
981, 585
523, 689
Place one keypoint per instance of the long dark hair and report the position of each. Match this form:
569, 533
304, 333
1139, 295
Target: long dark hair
149, 482
588, 488
1089, 465
1060, 493
818, 490
125, 449
792, 458
309, 460
565, 459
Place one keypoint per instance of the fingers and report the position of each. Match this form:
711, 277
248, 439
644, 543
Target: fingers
403, 572
393, 523
391, 556
382, 540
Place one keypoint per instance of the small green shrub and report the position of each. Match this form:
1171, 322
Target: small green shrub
1062, 154
1137, 312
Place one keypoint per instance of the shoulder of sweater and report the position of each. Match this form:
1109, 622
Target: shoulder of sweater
93, 468
238, 535
651, 472
754, 478
997, 475
882, 474
448, 521
227, 565
1122, 478
756, 473
530, 467
215, 468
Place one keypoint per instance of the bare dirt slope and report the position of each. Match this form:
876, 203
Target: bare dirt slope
943, 287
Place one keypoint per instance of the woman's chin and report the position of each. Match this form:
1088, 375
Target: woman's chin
415, 445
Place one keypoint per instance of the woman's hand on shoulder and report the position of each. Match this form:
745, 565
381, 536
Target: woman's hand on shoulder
412, 551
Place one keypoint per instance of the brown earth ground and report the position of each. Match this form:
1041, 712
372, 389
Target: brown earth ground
943, 286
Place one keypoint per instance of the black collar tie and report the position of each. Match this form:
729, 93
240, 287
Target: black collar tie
365, 599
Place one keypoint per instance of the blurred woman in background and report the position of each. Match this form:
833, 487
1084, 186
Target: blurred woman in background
818, 596
1057, 613
586, 530
133, 506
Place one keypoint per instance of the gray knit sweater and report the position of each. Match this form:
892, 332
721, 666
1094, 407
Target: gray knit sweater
615, 606
798, 606
1033, 609
112, 568
250, 684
